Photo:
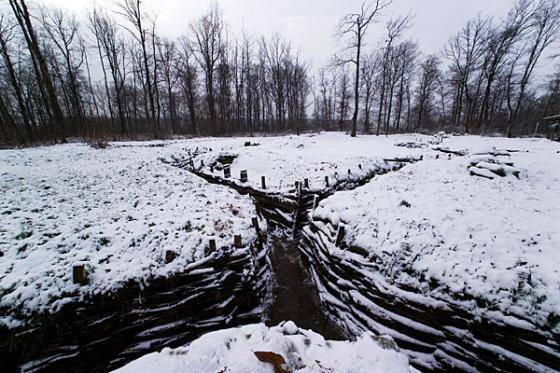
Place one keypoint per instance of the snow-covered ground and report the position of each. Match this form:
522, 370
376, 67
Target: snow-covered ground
253, 348
452, 236
284, 160
488, 245
117, 210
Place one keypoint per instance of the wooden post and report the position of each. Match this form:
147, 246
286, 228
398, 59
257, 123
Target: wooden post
212, 245
243, 176
326, 181
263, 182
255, 222
227, 171
201, 164
297, 185
170, 256
79, 274
349, 172
360, 166
339, 234
306, 183
237, 241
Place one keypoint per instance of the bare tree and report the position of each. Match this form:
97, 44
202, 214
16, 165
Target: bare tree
132, 11
499, 43
544, 29
464, 51
208, 44
395, 27
354, 26
23, 17
428, 78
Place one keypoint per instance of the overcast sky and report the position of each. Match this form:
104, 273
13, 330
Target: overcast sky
310, 24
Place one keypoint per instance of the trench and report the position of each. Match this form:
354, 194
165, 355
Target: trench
295, 296
435, 338
110, 332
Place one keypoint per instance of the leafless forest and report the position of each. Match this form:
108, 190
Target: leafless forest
109, 75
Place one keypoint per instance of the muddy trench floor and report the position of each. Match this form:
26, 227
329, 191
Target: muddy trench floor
295, 296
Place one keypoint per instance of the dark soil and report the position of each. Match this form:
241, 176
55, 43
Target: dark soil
295, 295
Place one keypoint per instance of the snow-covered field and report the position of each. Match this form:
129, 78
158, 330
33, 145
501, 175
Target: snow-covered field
293, 349
487, 245
117, 210
285, 160
490, 246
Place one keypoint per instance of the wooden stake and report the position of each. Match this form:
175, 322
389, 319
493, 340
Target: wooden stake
255, 222
237, 241
306, 183
339, 235
212, 245
326, 181
227, 171
263, 182
170, 256
79, 274
243, 176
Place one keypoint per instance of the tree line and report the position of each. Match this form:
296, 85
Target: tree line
483, 81
110, 75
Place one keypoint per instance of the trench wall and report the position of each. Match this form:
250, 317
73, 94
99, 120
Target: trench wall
435, 334
224, 290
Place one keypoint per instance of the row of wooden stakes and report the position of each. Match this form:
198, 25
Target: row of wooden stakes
80, 275
244, 176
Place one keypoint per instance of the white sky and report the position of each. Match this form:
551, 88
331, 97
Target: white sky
310, 24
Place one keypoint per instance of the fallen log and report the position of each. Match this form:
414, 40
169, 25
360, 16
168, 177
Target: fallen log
460, 153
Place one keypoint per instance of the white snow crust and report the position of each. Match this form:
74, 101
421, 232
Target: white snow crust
233, 350
116, 210
490, 246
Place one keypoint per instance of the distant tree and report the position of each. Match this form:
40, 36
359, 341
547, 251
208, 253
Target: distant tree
543, 31
208, 45
20, 11
354, 26
429, 73
395, 27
